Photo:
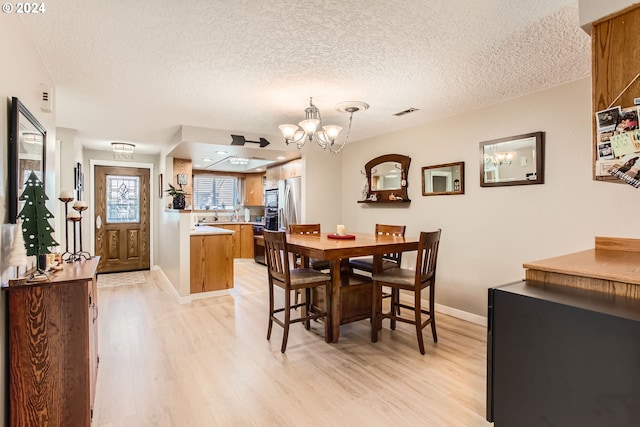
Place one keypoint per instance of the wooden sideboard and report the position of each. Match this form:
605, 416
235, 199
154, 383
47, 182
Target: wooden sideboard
612, 267
53, 348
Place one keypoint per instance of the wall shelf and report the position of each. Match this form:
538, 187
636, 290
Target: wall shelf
375, 202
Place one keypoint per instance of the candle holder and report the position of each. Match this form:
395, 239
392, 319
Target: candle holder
66, 199
78, 255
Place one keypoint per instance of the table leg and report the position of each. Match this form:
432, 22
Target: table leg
335, 304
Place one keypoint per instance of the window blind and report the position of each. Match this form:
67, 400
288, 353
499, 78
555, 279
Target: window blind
215, 192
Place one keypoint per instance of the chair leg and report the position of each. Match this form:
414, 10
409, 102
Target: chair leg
327, 299
432, 312
271, 308
418, 312
287, 320
376, 308
307, 308
395, 299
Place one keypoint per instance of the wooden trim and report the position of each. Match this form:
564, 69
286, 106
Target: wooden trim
617, 244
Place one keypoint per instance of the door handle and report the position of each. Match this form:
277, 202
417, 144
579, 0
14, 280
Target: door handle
98, 222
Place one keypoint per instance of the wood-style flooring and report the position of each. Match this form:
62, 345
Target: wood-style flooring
209, 364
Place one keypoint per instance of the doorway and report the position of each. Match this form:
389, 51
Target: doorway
122, 208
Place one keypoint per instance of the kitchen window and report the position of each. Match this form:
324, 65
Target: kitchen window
215, 192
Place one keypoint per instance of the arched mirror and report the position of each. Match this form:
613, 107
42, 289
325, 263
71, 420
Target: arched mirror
386, 179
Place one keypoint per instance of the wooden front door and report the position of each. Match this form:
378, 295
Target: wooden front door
122, 199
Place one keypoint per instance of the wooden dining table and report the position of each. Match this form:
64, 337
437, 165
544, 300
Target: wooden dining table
350, 294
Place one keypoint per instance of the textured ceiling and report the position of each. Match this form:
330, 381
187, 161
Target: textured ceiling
137, 70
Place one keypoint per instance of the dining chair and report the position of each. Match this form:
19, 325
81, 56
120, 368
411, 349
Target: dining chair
312, 229
280, 275
402, 279
390, 260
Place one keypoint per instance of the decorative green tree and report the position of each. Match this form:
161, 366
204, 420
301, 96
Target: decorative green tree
36, 230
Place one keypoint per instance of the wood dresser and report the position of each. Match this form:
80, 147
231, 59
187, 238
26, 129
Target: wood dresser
612, 267
53, 348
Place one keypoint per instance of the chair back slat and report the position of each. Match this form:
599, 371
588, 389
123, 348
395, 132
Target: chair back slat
276, 253
427, 258
391, 230
304, 229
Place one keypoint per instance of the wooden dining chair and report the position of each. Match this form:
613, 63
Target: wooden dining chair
297, 279
312, 229
390, 260
423, 276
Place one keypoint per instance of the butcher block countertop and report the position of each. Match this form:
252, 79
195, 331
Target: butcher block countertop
612, 267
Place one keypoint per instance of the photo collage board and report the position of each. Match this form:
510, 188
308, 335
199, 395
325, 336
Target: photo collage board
618, 144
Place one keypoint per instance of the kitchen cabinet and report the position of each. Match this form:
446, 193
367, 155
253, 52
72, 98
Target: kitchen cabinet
273, 176
254, 191
242, 239
287, 170
211, 262
53, 348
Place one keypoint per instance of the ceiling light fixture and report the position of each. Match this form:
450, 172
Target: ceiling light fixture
122, 147
312, 129
238, 160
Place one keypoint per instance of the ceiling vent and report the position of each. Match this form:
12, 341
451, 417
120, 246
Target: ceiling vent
407, 111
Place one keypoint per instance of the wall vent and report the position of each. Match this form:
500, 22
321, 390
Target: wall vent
407, 111
46, 101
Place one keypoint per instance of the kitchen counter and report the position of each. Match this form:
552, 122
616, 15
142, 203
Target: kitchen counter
207, 230
213, 224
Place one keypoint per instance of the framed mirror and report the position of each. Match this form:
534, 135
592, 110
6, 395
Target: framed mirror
443, 180
27, 145
516, 160
386, 178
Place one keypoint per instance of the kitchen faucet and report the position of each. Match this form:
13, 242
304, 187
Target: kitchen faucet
215, 214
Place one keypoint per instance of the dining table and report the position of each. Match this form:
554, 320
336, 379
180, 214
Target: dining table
350, 296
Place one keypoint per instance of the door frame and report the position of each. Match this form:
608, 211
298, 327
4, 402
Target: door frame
152, 192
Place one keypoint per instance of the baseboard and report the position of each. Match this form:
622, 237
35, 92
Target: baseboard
210, 294
179, 299
464, 315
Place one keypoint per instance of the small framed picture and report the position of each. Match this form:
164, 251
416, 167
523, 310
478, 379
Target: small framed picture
182, 179
160, 191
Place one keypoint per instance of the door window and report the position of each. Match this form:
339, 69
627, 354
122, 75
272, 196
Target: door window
123, 198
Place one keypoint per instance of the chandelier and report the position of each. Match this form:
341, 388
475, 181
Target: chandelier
312, 129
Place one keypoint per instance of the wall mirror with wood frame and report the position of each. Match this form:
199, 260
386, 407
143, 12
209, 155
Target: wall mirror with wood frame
515, 160
386, 179
27, 145
443, 180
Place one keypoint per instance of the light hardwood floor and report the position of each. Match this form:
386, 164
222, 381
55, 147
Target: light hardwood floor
208, 363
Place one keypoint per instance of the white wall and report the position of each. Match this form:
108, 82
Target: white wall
488, 233
21, 74
322, 187
593, 10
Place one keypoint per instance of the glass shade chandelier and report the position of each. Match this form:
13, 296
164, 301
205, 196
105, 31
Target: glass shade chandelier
312, 129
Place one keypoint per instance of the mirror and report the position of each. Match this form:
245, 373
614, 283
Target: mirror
386, 176
386, 179
27, 145
516, 160
443, 179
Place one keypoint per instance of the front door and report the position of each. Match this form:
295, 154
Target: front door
122, 197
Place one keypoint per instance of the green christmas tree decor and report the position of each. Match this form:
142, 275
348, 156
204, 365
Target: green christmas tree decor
36, 230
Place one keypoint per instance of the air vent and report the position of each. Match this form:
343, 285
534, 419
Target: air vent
407, 111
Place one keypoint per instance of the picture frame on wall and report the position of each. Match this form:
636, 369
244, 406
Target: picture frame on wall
160, 184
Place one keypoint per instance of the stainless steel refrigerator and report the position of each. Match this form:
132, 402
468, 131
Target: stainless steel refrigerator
289, 202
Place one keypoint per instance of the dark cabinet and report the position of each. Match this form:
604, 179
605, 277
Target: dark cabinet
560, 356
53, 350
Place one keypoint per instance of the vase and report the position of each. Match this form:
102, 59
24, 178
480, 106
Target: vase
179, 202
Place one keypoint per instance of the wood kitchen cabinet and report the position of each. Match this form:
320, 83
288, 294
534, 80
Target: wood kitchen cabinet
274, 174
211, 262
254, 191
242, 239
53, 348
287, 170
